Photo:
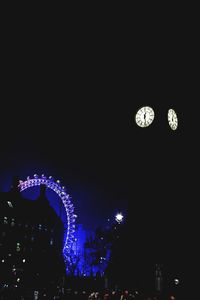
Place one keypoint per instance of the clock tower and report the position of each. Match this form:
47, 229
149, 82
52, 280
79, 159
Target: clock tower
160, 180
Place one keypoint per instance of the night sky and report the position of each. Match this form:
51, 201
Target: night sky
68, 111
94, 148
85, 135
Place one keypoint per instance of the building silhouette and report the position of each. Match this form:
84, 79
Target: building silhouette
31, 242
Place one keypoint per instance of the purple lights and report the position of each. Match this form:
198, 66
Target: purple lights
68, 206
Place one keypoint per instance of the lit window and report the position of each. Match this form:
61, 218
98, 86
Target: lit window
18, 248
13, 222
10, 204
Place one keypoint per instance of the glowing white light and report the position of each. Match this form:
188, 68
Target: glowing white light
10, 204
176, 281
119, 217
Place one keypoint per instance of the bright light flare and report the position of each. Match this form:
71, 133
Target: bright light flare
119, 217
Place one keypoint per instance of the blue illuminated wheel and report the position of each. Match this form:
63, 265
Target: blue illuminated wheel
65, 197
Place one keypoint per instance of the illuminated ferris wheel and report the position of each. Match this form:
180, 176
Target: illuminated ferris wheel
66, 200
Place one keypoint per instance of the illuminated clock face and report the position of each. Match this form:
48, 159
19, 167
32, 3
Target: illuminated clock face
172, 119
144, 116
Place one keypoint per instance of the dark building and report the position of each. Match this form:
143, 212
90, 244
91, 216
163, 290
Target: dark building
31, 242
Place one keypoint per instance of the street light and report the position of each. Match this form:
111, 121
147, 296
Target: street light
119, 218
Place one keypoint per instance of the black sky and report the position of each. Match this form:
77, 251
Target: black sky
69, 93
84, 134
67, 110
